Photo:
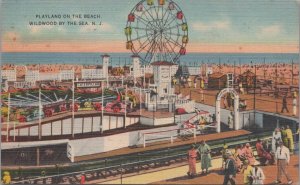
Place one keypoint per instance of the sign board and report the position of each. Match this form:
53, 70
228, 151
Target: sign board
91, 84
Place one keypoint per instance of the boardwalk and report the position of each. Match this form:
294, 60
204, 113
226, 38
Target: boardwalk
215, 177
262, 102
177, 175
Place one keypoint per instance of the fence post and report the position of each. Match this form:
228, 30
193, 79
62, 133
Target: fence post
144, 140
121, 173
14, 131
139, 162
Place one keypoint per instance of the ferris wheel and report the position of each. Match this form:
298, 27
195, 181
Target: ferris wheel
157, 31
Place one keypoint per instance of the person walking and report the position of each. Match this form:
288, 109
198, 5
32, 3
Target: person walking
82, 178
192, 157
284, 104
275, 139
189, 81
202, 86
297, 134
195, 82
284, 136
247, 171
290, 138
238, 161
282, 156
204, 151
229, 170
294, 106
224, 154
258, 176
230, 120
241, 89
228, 99
6, 178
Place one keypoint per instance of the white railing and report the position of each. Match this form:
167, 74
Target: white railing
167, 135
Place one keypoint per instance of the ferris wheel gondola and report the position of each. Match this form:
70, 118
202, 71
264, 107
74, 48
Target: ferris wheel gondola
157, 31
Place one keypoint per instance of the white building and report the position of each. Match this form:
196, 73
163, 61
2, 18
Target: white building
136, 67
174, 69
49, 77
194, 70
32, 76
9, 75
163, 77
105, 64
92, 74
66, 74
4, 84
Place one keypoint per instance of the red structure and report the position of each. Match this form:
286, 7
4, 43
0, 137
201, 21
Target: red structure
179, 15
98, 106
161, 2
76, 107
182, 51
131, 17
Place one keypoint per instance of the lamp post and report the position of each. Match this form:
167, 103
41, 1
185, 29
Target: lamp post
292, 72
254, 98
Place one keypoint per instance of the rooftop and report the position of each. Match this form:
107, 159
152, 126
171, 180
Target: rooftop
162, 63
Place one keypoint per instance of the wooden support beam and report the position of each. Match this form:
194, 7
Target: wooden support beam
61, 126
38, 156
92, 124
109, 122
82, 123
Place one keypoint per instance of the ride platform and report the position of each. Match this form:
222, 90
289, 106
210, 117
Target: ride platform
164, 144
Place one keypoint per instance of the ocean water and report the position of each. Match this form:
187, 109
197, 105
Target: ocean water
191, 59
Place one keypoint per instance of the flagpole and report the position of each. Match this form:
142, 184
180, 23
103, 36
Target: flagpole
73, 103
144, 84
40, 112
125, 105
102, 107
40, 115
8, 115
140, 101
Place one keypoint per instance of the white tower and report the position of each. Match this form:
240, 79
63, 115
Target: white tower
105, 64
136, 67
163, 78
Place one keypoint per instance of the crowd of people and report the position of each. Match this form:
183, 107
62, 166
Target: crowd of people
243, 160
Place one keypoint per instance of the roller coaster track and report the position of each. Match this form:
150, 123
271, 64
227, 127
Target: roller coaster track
100, 169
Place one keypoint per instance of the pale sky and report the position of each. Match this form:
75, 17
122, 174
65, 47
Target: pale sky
214, 26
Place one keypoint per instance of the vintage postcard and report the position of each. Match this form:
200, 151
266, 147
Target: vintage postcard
149, 92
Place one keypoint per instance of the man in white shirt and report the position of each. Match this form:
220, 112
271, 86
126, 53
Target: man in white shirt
283, 158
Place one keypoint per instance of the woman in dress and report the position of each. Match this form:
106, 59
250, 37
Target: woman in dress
204, 151
249, 154
192, 157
